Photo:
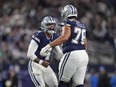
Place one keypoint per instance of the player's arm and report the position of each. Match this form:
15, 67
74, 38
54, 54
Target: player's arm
31, 53
64, 37
85, 43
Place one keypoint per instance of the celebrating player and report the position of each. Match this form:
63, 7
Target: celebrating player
74, 62
38, 67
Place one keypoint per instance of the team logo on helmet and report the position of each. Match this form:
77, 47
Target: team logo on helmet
68, 11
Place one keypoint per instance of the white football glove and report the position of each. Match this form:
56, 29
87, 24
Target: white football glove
45, 50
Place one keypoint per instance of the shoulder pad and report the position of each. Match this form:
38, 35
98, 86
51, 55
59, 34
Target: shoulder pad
36, 37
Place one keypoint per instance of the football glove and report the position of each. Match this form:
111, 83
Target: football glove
45, 50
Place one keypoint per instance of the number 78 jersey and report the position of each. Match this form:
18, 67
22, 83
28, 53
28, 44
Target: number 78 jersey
77, 37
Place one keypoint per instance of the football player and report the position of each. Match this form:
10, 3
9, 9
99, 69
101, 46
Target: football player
74, 62
38, 67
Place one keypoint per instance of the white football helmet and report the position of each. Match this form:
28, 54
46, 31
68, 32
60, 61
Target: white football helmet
68, 11
48, 20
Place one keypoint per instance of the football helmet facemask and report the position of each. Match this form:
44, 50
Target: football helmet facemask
48, 24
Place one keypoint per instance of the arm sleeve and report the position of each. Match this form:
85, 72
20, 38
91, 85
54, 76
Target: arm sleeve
32, 49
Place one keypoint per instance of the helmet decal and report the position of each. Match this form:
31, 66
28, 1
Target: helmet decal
68, 11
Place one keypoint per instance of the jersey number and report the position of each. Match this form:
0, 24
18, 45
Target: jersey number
80, 35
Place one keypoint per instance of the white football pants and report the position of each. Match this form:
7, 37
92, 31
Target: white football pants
73, 66
41, 75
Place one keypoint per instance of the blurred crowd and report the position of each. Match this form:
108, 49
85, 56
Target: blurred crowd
19, 19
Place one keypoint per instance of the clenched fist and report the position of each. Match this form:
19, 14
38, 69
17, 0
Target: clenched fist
45, 63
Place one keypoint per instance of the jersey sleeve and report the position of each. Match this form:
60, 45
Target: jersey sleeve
36, 37
65, 22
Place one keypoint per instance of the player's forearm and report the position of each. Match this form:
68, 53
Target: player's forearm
58, 41
66, 32
85, 43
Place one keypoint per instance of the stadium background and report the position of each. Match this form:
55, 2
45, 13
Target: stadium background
19, 19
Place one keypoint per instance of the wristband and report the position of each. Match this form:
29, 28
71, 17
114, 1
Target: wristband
41, 61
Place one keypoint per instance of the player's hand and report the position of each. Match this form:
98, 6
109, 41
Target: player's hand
45, 63
45, 50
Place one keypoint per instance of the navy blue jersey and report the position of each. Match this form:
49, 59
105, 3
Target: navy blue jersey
41, 39
76, 39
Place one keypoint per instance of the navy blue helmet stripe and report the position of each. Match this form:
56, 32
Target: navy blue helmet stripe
72, 9
50, 18
75, 10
